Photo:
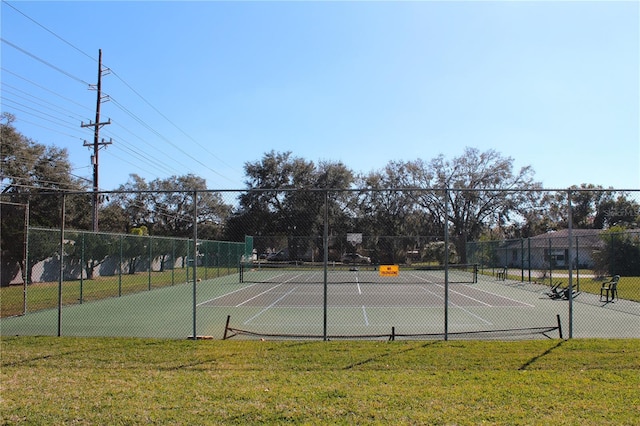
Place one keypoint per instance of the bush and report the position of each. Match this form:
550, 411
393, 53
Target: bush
620, 254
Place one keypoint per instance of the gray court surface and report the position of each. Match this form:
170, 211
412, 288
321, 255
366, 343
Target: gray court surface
357, 304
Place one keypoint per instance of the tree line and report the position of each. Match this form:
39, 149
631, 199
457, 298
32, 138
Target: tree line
283, 195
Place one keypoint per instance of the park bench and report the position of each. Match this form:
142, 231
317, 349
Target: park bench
502, 274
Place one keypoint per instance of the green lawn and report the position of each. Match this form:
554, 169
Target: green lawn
48, 380
628, 287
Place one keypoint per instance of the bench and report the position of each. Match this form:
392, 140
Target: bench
502, 274
610, 289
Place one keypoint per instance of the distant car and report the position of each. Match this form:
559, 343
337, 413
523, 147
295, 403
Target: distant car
356, 259
279, 256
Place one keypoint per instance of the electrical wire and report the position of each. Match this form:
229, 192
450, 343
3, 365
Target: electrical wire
48, 30
118, 104
39, 59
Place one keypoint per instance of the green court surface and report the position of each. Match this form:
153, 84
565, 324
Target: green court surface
357, 305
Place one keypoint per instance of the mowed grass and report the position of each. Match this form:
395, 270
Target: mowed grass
48, 380
628, 287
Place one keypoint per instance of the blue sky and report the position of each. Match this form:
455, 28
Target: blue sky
204, 87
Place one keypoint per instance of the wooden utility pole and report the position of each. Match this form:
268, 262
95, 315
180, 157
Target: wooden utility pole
96, 141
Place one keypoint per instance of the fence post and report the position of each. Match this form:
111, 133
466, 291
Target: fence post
612, 256
521, 260
577, 257
446, 264
82, 268
25, 272
325, 243
205, 257
61, 270
185, 261
195, 258
550, 264
570, 256
120, 269
149, 272
173, 262
529, 256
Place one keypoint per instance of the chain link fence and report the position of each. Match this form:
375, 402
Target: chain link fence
96, 265
544, 259
324, 264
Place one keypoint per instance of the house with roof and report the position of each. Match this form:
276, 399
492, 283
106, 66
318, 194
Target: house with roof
552, 249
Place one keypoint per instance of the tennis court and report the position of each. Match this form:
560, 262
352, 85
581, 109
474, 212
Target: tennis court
360, 302
354, 303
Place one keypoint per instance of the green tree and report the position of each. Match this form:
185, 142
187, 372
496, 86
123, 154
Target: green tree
134, 247
388, 216
271, 207
620, 254
593, 207
113, 218
35, 175
90, 250
617, 211
165, 206
478, 185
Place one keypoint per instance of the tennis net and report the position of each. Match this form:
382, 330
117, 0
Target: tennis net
338, 273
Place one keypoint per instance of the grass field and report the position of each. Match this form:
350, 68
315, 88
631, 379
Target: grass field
48, 380
628, 287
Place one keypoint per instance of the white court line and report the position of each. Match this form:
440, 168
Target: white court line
258, 295
267, 291
225, 295
459, 307
468, 297
457, 292
503, 297
358, 284
478, 289
269, 307
364, 312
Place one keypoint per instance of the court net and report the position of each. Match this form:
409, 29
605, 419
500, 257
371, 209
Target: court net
338, 273
548, 332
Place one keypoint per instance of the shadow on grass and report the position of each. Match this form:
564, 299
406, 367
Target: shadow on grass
388, 354
57, 353
542, 355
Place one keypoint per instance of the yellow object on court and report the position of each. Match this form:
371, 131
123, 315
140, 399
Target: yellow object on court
389, 270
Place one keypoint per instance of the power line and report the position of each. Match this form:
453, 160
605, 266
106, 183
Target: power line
39, 59
150, 128
173, 124
40, 117
48, 30
44, 103
44, 88
166, 139
50, 129
32, 109
146, 157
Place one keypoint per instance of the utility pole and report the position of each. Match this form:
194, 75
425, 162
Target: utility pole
96, 140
